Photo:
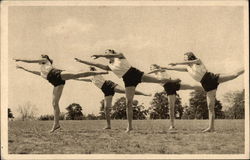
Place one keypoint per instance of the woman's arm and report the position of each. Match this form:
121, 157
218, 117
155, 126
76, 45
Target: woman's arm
104, 67
197, 61
155, 71
119, 55
180, 69
30, 61
34, 72
85, 80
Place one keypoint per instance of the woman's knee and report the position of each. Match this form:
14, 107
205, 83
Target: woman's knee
107, 109
129, 102
55, 103
211, 104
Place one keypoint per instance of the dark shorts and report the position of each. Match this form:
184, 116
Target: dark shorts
172, 87
209, 81
54, 77
132, 77
108, 88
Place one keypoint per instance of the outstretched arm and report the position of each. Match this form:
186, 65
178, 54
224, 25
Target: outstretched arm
181, 69
119, 55
155, 71
29, 61
197, 61
85, 80
34, 72
101, 66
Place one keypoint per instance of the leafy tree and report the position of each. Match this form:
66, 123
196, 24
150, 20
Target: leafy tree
102, 110
27, 111
10, 114
139, 111
198, 106
187, 113
159, 108
178, 109
91, 117
51, 117
119, 110
74, 112
236, 104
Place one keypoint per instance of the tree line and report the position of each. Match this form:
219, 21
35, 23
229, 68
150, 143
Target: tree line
158, 108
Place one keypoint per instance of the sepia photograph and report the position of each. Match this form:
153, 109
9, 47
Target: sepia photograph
125, 79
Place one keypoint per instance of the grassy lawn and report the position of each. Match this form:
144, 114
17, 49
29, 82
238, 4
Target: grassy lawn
148, 136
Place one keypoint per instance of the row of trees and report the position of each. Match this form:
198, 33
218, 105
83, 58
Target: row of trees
118, 110
158, 110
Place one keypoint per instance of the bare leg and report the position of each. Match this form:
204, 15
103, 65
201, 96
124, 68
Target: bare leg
189, 87
130, 92
69, 75
151, 79
231, 76
108, 103
119, 89
171, 101
57, 92
211, 103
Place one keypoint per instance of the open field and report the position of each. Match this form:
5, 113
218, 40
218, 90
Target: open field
149, 136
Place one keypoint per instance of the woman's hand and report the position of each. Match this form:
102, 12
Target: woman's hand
95, 56
172, 64
19, 67
177, 80
156, 66
16, 59
78, 60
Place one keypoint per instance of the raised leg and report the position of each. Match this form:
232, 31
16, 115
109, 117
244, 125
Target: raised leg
119, 89
151, 79
189, 87
227, 77
65, 75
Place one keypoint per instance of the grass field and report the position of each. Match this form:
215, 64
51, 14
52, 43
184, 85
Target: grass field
149, 136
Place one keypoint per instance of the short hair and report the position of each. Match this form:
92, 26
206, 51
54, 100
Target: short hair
47, 57
191, 56
111, 51
155, 66
92, 68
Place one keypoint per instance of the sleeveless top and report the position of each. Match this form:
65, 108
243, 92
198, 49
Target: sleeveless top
197, 71
161, 75
45, 69
120, 66
98, 81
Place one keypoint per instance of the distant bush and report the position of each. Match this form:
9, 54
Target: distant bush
91, 117
50, 117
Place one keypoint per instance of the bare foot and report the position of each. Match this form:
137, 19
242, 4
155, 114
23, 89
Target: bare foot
128, 130
107, 127
55, 128
240, 71
172, 129
208, 130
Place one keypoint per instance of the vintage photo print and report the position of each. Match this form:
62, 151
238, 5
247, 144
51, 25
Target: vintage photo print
125, 79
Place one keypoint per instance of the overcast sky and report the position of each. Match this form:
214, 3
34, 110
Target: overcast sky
145, 35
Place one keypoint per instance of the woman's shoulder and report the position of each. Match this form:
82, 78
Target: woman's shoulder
121, 56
